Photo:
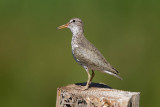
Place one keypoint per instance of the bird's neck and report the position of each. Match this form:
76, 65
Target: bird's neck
76, 31
77, 36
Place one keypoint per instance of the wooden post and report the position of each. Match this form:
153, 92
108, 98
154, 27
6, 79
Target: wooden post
98, 95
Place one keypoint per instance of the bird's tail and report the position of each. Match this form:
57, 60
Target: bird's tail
114, 74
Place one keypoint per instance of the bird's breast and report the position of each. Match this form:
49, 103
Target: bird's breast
74, 46
74, 43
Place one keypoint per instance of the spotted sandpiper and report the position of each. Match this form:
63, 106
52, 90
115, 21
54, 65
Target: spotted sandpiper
85, 53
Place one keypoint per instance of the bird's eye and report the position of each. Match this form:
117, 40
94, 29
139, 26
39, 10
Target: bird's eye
73, 20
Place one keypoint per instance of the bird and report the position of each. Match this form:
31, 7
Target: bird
86, 54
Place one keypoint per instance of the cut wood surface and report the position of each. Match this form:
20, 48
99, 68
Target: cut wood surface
98, 95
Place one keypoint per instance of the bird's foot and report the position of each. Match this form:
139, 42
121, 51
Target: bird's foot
82, 88
85, 88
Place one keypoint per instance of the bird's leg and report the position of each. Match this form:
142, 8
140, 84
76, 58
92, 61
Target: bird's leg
92, 76
88, 81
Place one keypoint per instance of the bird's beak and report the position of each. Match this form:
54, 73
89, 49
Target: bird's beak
63, 26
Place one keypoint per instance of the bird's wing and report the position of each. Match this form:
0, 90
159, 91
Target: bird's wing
92, 59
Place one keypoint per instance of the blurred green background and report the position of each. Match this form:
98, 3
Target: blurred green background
36, 59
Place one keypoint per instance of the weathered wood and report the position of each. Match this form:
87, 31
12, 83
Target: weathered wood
99, 95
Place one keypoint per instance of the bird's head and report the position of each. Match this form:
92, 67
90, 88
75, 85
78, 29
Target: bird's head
75, 25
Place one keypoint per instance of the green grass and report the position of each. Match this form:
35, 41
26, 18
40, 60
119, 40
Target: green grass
35, 57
